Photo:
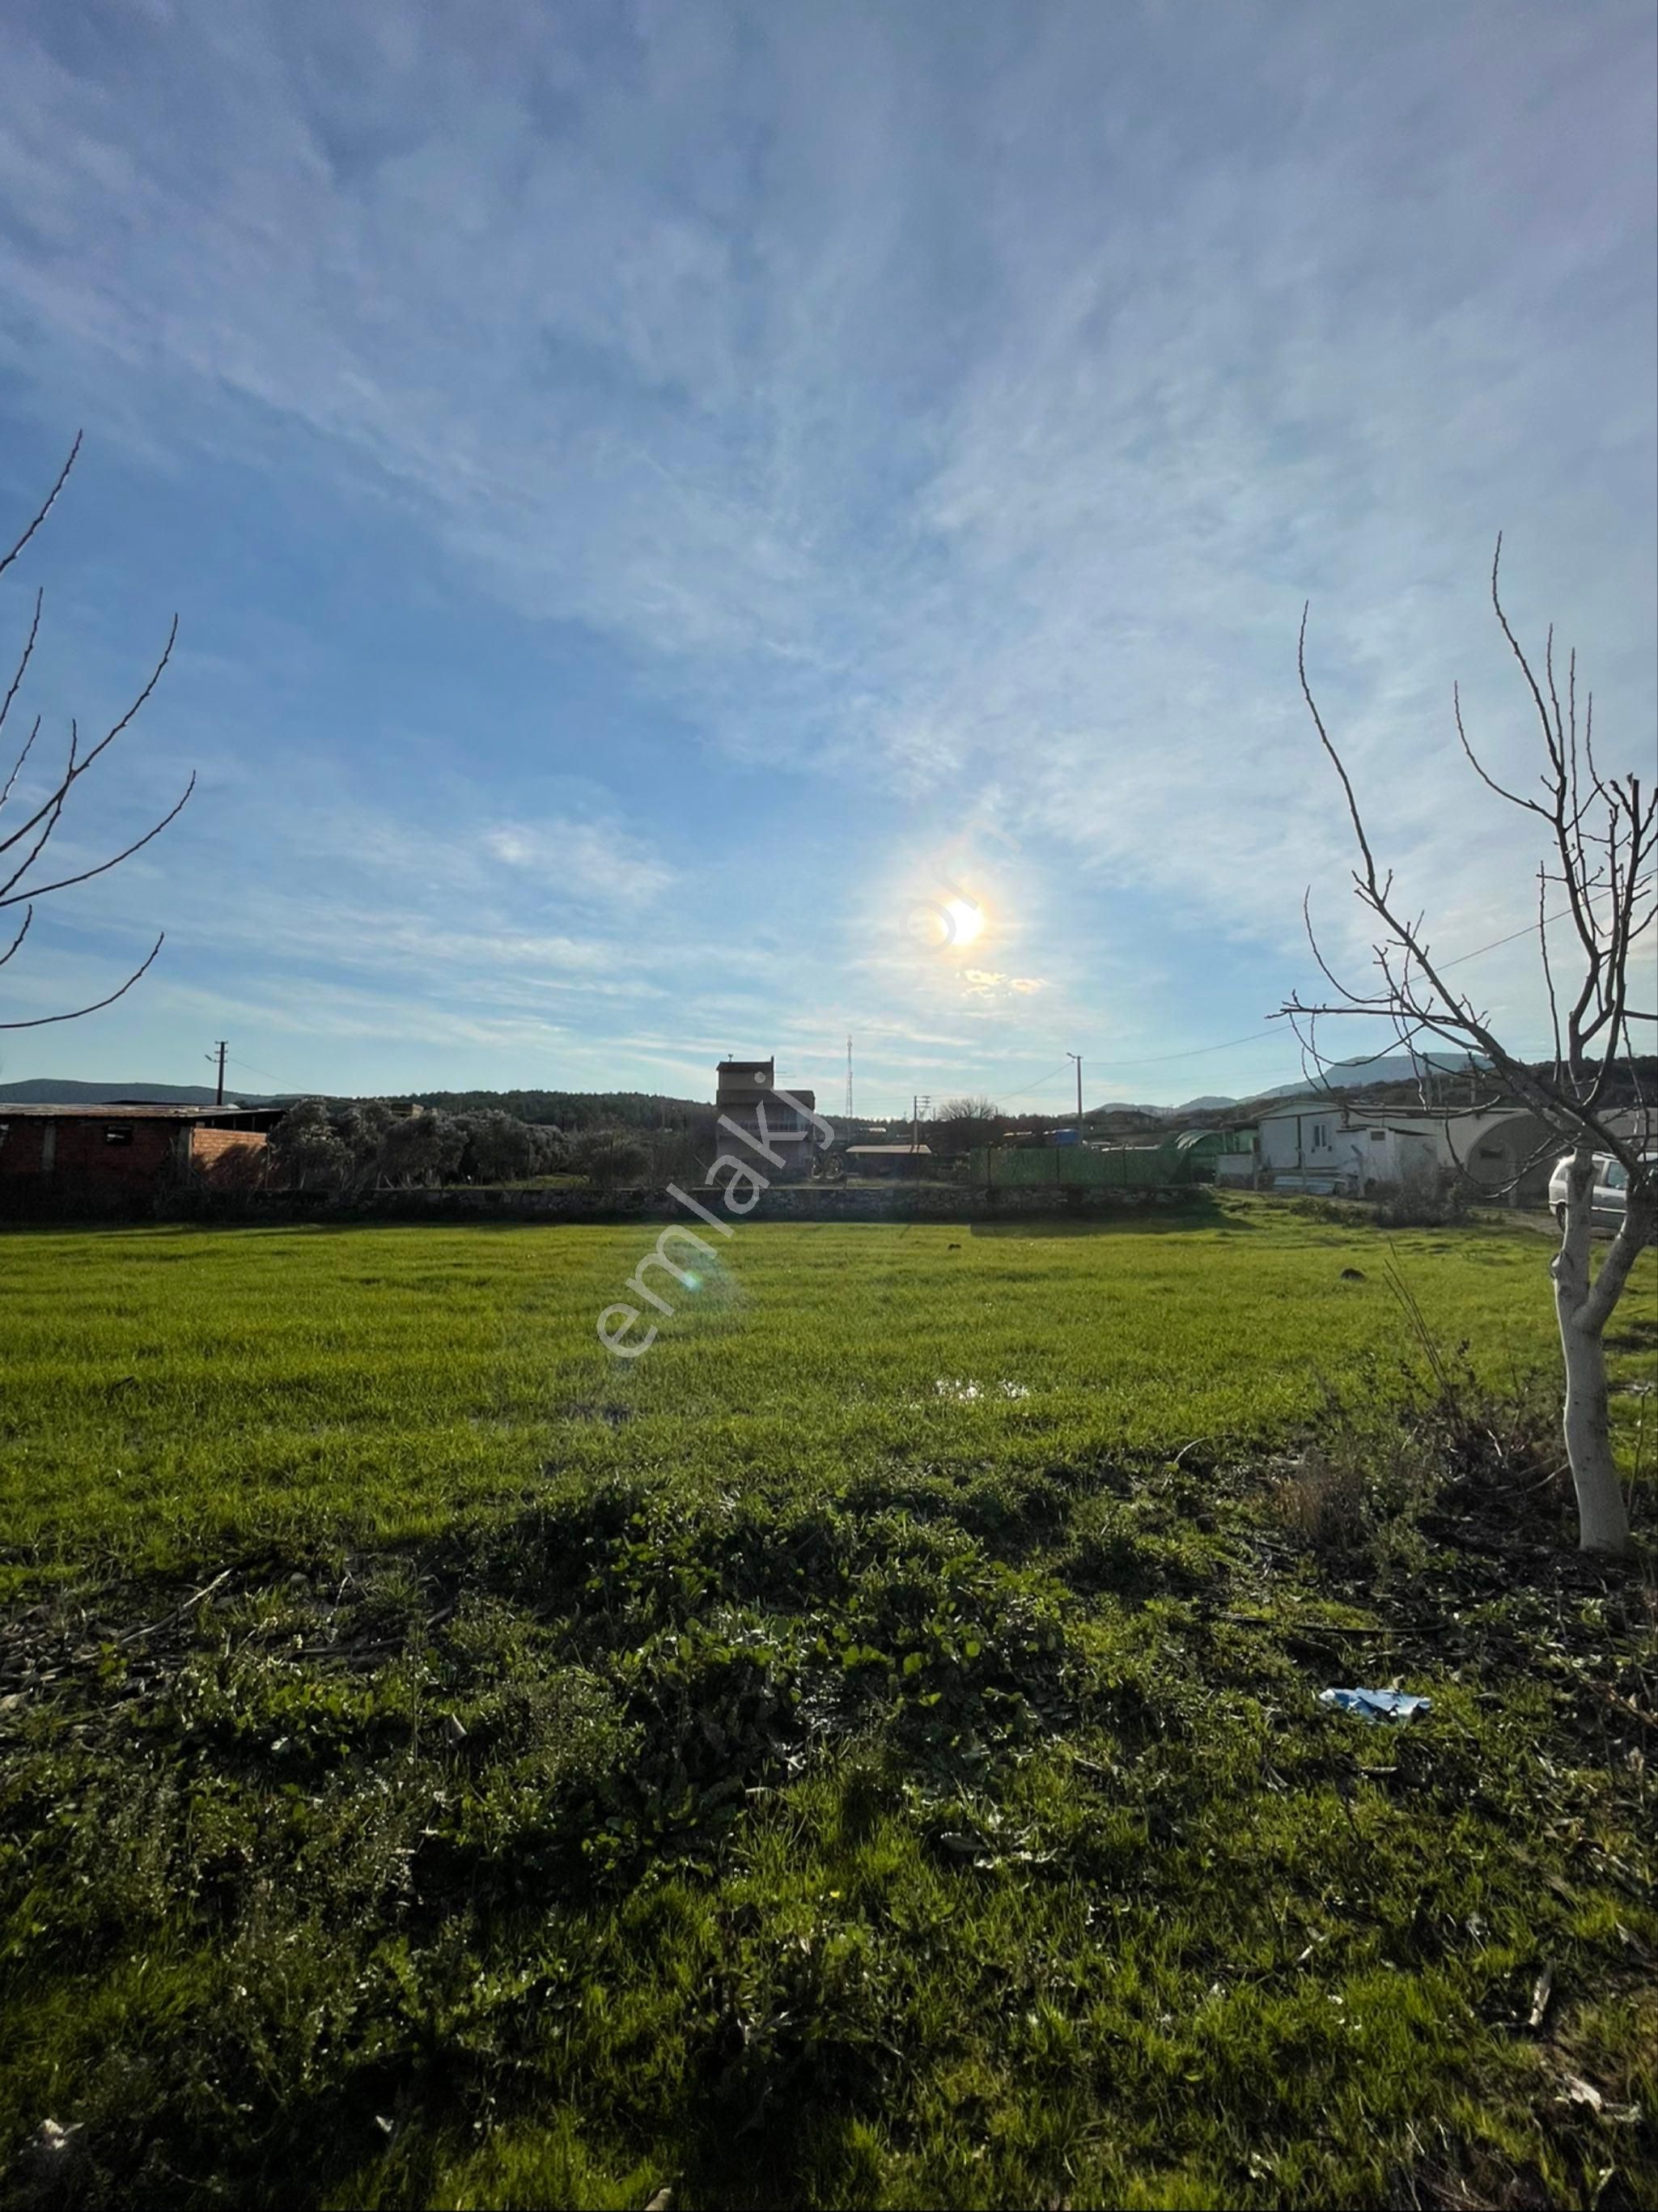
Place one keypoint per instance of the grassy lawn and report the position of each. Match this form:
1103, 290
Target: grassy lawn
865, 1750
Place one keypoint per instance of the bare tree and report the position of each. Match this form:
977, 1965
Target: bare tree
961, 1123
22, 847
1599, 834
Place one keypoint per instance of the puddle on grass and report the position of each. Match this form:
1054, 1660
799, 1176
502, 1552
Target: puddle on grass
963, 1391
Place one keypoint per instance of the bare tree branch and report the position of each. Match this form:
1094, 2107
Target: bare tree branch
41, 1021
21, 670
78, 767
1324, 739
1490, 782
17, 766
51, 501
1549, 742
28, 917
26, 841
1548, 972
40, 891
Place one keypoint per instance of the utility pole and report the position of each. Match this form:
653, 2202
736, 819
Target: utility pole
220, 1049
848, 1079
1077, 1057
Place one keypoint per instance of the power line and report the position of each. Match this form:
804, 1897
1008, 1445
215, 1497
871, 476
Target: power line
1038, 1085
1231, 1044
251, 1070
1197, 1052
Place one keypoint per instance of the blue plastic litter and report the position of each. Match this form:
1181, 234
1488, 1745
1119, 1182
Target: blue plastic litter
1376, 1704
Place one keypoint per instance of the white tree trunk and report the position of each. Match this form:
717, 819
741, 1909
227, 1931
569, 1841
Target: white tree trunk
1583, 1309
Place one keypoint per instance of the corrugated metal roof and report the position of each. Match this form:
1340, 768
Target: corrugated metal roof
143, 1113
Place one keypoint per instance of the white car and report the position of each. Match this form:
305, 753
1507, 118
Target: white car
1609, 1200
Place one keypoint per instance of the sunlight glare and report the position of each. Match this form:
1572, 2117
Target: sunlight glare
966, 920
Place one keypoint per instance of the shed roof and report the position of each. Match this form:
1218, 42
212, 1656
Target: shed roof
116, 1112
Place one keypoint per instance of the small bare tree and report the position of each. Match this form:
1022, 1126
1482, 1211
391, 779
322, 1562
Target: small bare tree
1599, 835
22, 865
959, 1124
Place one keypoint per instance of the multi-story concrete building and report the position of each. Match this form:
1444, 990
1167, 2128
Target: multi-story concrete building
746, 1090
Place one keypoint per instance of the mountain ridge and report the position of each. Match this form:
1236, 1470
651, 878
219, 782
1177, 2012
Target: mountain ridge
50, 1091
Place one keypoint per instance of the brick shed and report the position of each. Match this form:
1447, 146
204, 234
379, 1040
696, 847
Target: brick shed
114, 1148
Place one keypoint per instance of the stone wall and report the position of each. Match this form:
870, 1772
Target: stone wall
939, 1202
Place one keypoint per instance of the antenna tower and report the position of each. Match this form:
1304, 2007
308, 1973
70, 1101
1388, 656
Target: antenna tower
848, 1079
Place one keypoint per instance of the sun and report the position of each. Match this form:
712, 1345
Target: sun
962, 921
949, 919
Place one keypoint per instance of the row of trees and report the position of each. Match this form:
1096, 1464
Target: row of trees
367, 1146
644, 1112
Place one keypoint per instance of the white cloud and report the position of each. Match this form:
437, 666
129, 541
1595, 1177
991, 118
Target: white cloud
581, 860
988, 983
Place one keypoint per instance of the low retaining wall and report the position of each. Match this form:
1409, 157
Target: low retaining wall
939, 1202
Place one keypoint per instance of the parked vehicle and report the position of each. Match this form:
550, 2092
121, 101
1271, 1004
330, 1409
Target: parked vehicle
1609, 1200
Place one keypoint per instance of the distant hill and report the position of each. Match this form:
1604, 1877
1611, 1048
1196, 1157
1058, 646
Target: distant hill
1384, 1068
1205, 1105
1343, 1075
566, 1110
50, 1091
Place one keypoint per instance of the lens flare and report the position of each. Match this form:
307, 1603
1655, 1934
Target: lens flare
954, 919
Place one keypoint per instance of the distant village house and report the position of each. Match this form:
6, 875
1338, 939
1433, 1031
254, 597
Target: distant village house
1321, 1143
745, 1092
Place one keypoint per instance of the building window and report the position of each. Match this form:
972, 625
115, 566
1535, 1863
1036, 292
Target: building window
1378, 1136
118, 1133
1321, 1136
780, 1122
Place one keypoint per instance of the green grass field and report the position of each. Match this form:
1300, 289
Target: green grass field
865, 1751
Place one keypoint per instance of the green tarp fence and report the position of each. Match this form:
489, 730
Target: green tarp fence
1077, 1167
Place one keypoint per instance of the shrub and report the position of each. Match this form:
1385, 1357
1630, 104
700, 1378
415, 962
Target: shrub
305, 1152
1322, 1498
1432, 1198
608, 1157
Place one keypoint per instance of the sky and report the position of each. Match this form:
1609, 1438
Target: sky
718, 528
